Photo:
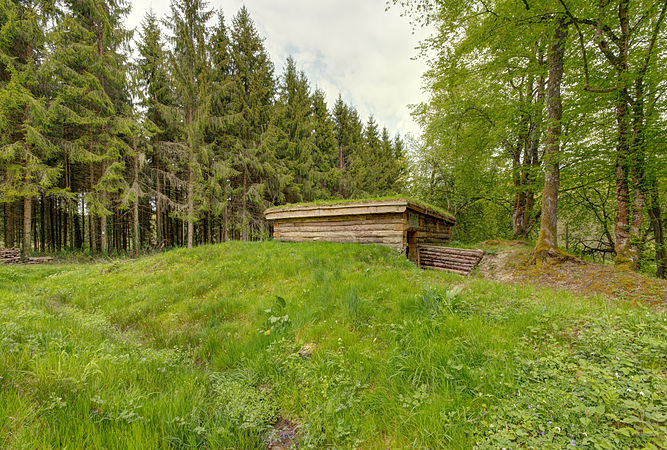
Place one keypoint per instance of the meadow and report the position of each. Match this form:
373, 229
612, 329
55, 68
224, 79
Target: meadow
267, 344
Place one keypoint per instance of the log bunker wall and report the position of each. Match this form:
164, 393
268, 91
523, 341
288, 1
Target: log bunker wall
400, 224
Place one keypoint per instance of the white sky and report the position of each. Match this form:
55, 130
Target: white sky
351, 47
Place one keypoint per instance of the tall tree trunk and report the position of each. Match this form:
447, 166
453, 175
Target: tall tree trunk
519, 209
244, 224
50, 230
103, 227
626, 256
91, 220
9, 224
27, 222
547, 242
135, 188
225, 224
42, 228
158, 202
637, 158
533, 151
655, 214
191, 206
70, 209
209, 237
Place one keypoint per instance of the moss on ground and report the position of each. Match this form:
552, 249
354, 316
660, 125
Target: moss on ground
564, 271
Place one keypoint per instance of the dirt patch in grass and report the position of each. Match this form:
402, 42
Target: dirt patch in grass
508, 262
283, 435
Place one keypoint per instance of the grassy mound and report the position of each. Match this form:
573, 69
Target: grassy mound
340, 345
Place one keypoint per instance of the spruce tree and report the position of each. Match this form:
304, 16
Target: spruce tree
90, 109
24, 143
326, 149
251, 109
366, 163
348, 131
190, 69
157, 100
297, 149
218, 188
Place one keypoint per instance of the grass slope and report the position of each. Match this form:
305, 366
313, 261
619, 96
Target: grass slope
199, 348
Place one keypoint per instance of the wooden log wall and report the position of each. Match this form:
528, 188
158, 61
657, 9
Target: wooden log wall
385, 229
457, 260
430, 231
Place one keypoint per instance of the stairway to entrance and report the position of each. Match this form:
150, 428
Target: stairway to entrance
457, 260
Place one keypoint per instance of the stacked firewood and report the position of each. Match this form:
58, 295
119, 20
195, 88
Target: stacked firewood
458, 260
39, 260
13, 256
10, 255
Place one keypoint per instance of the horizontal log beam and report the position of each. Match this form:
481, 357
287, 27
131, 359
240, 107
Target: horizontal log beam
460, 272
325, 227
324, 235
378, 218
472, 259
461, 251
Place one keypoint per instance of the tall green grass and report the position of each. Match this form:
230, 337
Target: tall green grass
199, 348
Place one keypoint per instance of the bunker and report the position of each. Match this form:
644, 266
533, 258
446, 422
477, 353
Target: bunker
402, 224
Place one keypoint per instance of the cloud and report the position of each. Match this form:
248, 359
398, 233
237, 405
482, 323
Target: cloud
351, 47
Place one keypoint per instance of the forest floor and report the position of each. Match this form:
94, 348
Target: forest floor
319, 345
507, 261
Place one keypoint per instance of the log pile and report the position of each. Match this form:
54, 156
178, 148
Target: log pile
39, 260
457, 260
10, 255
13, 256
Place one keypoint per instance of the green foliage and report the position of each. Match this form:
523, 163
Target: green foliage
606, 386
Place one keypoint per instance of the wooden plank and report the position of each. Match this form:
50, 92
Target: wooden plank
434, 234
335, 211
460, 272
448, 264
451, 250
391, 242
310, 226
380, 218
350, 229
323, 236
453, 256
465, 270
448, 261
432, 240
338, 223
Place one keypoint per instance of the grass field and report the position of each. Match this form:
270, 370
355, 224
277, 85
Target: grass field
200, 348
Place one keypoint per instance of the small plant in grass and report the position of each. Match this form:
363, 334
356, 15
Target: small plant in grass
277, 320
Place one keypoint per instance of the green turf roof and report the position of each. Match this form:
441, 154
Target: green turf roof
339, 201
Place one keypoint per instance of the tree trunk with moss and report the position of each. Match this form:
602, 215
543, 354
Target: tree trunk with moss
547, 243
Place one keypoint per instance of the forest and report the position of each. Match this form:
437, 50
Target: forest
545, 122
182, 133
